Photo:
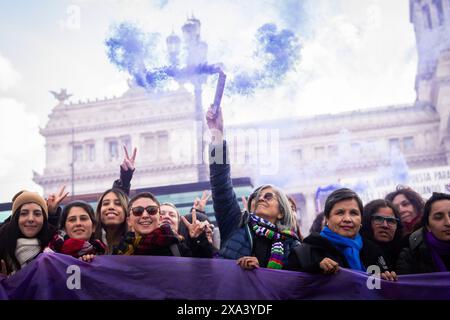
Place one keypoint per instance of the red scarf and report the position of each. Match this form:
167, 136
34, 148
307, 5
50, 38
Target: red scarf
75, 247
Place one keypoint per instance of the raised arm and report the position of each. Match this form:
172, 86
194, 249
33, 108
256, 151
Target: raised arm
126, 172
226, 206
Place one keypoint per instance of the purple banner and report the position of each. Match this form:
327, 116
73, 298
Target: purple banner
55, 276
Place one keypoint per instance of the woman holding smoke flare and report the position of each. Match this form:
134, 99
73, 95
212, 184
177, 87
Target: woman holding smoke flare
265, 236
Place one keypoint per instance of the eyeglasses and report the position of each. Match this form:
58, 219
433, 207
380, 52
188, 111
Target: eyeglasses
151, 210
268, 196
391, 221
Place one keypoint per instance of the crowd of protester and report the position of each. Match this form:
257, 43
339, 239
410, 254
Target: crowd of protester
401, 234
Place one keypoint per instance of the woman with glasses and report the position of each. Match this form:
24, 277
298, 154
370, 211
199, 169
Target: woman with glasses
265, 236
381, 224
429, 247
147, 236
339, 244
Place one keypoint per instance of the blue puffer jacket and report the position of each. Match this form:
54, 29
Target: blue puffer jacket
236, 237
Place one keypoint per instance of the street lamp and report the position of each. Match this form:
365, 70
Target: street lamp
196, 56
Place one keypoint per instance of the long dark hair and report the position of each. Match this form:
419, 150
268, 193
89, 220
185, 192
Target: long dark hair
83, 205
413, 197
370, 209
123, 199
10, 232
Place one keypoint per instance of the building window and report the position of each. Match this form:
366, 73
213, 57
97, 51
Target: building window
297, 156
126, 141
332, 151
113, 150
149, 147
394, 145
319, 152
408, 144
78, 154
90, 152
163, 145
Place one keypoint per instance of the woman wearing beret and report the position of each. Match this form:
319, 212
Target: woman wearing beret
26, 234
339, 244
429, 246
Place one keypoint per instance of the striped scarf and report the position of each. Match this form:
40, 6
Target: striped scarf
265, 229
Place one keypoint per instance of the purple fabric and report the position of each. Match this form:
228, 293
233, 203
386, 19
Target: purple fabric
151, 277
437, 248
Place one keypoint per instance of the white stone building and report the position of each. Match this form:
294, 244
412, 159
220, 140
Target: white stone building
372, 149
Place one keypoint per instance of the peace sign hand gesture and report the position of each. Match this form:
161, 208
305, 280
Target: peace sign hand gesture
54, 200
128, 162
196, 228
200, 204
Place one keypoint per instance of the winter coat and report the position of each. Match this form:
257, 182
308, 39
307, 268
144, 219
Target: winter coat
307, 256
236, 238
416, 258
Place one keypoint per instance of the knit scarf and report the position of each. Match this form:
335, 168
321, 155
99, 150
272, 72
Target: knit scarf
135, 244
438, 248
61, 243
408, 227
266, 229
27, 249
350, 248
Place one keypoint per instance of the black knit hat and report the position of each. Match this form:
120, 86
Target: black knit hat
339, 195
436, 196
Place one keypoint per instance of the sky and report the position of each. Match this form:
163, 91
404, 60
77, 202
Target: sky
354, 54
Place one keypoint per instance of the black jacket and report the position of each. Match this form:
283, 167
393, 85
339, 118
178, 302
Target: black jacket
307, 256
416, 258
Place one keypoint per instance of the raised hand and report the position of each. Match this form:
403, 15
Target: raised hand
196, 228
128, 162
248, 263
200, 204
214, 121
54, 200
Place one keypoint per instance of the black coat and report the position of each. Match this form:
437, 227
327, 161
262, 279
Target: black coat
307, 256
416, 258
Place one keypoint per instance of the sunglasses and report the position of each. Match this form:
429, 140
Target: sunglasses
151, 210
391, 221
268, 196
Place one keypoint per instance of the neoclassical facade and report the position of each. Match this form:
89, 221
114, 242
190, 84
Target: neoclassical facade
371, 150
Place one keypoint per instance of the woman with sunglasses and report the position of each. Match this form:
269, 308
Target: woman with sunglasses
265, 236
339, 244
429, 247
381, 224
146, 236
